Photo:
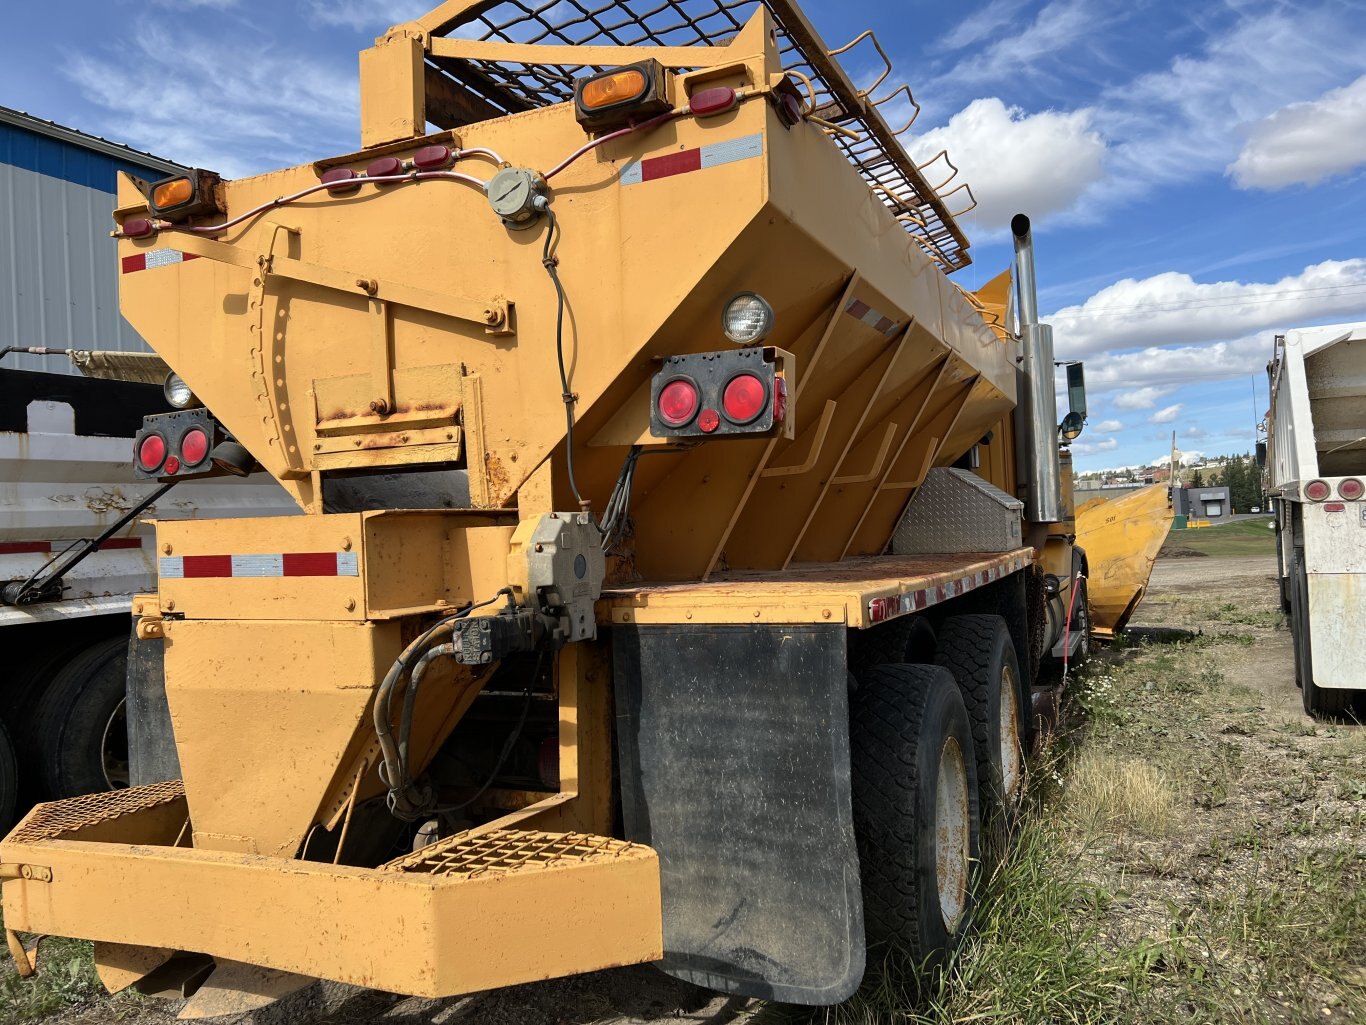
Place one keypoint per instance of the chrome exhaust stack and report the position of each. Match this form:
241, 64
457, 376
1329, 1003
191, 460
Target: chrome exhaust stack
1036, 414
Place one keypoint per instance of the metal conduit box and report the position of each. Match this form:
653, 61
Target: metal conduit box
958, 511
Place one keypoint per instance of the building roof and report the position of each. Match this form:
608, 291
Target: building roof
124, 157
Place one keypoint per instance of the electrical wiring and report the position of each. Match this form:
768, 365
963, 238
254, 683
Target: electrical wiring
551, 263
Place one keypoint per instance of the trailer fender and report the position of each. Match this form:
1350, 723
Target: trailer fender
734, 745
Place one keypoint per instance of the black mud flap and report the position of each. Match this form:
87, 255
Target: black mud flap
734, 747
152, 754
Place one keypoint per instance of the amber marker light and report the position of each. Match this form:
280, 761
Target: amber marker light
609, 90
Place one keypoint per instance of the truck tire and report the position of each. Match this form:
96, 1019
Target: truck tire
1318, 701
9, 781
915, 810
979, 653
81, 730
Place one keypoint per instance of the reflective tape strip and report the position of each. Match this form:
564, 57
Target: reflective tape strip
681, 162
154, 258
285, 564
891, 606
860, 310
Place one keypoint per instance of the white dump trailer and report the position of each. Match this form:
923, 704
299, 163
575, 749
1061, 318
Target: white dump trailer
1316, 477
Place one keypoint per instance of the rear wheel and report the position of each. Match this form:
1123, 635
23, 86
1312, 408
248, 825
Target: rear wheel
1318, 701
979, 653
915, 809
82, 729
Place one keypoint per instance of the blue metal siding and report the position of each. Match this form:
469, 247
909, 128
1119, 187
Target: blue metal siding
54, 158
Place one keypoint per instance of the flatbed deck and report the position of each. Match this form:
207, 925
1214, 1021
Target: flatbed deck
857, 592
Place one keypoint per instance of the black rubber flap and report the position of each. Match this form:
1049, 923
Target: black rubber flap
734, 745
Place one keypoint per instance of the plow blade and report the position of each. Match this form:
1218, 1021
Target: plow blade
1121, 539
474, 911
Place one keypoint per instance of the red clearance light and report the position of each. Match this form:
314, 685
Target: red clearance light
139, 227
678, 402
172, 465
708, 420
1335, 507
1317, 490
709, 102
194, 446
779, 399
341, 179
384, 167
744, 398
151, 451
1350, 489
433, 158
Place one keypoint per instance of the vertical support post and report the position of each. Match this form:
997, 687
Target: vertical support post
393, 94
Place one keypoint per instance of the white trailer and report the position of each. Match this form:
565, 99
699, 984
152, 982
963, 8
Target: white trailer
1316, 475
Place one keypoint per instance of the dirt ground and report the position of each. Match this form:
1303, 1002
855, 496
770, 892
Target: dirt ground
1223, 825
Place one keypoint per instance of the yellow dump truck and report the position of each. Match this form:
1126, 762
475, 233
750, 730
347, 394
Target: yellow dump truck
681, 545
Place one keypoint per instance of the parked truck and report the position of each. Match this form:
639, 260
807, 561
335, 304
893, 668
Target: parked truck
1315, 468
682, 549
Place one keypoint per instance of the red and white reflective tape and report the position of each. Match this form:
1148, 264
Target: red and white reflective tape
154, 258
48, 547
860, 310
286, 564
685, 160
891, 606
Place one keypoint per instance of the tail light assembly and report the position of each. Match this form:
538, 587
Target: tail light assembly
1317, 490
614, 98
1350, 488
742, 392
185, 444
192, 194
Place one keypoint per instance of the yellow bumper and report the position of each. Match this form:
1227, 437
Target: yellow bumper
472, 912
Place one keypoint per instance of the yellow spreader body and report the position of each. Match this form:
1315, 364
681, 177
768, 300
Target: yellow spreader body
1121, 538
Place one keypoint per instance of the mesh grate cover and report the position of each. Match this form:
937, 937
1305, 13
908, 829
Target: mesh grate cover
508, 850
511, 87
55, 820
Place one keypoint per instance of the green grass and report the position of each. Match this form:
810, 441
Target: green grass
65, 979
1240, 537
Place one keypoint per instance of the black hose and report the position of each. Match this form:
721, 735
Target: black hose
550, 261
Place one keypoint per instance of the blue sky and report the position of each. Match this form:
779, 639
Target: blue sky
1196, 170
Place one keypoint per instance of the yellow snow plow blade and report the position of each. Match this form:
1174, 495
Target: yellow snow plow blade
1121, 539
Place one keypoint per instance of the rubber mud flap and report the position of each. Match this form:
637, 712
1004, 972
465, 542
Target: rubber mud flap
734, 748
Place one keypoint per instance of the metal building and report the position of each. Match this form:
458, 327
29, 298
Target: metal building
58, 265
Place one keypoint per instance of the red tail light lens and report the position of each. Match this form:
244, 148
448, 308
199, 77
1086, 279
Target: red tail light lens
1350, 489
151, 451
433, 158
341, 179
779, 399
1317, 490
194, 446
678, 402
172, 465
744, 398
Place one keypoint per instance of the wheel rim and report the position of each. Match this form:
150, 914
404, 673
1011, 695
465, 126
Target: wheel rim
951, 834
114, 748
1011, 746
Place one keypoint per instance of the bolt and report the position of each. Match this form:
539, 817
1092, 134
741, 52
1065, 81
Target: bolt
170, 605
350, 604
379, 407
540, 548
441, 603
166, 549
138, 609
492, 317
757, 613
367, 285
825, 613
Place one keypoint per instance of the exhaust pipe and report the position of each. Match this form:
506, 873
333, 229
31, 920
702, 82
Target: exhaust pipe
1036, 414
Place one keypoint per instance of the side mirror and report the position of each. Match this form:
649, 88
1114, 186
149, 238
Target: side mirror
1261, 454
1071, 426
1076, 389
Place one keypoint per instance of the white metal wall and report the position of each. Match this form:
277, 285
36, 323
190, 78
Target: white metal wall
58, 269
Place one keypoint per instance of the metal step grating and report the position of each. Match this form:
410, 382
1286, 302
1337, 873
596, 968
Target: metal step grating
510, 850
56, 820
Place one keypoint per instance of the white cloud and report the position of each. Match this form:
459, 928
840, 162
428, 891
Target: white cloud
1090, 448
989, 21
1139, 398
1304, 143
1166, 415
1038, 163
270, 106
1108, 427
1174, 308
1182, 458
1032, 48
367, 15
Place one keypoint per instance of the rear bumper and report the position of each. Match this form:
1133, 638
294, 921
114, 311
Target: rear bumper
472, 912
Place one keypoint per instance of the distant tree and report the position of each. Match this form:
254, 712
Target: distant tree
1233, 480
1197, 481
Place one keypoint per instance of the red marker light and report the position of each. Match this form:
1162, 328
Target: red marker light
1317, 490
341, 179
744, 398
1335, 507
139, 227
172, 465
194, 446
678, 402
433, 158
1350, 489
384, 167
708, 420
779, 399
151, 451
708, 102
